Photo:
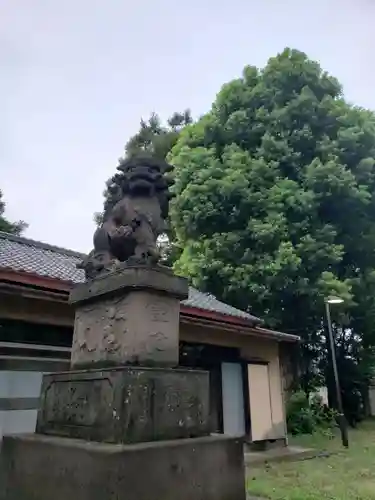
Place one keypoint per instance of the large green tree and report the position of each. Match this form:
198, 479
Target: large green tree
6, 225
275, 205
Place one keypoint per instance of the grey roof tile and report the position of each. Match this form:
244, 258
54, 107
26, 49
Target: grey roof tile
22, 254
208, 302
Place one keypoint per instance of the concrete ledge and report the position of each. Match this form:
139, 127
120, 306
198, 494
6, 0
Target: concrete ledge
45, 468
265, 445
287, 454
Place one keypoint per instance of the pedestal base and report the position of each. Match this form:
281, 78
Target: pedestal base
44, 468
125, 405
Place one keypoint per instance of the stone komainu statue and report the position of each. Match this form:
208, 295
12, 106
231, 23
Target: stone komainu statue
134, 216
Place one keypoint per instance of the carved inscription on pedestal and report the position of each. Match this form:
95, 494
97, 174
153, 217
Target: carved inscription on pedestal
138, 328
179, 402
138, 398
159, 311
77, 403
125, 405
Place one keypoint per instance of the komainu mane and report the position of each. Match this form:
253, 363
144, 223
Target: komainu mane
134, 216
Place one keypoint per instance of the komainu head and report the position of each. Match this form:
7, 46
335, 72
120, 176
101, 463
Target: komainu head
143, 175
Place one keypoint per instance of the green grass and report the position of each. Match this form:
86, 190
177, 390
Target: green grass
345, 475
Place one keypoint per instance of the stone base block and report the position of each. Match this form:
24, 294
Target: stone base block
128, 317
125, 405
46, 468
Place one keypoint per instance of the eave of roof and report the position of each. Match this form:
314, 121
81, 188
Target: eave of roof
62, 289
199, 305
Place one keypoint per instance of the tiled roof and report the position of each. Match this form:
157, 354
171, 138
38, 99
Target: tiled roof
22, 254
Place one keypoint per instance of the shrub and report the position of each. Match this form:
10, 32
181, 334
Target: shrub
306, 416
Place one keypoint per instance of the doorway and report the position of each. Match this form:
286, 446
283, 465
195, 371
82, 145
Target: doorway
233, 399
260, 401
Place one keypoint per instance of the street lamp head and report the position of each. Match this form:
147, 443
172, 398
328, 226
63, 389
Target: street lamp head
334, 300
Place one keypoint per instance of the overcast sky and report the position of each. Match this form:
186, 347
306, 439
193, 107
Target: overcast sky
77, 75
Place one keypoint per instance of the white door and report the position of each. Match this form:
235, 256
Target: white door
260, 402
233, 400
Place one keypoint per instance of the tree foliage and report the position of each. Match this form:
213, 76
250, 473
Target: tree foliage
275, 205
306, 415
5, 225
155, 138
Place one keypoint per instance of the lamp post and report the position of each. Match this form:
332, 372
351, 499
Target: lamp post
341, 417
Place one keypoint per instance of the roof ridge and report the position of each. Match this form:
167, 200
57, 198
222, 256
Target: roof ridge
40, 244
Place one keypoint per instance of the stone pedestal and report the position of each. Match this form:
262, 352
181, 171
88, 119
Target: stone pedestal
125, 405
46, 468
131, 426
128, 317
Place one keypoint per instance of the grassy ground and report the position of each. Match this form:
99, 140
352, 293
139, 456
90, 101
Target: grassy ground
346, 475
